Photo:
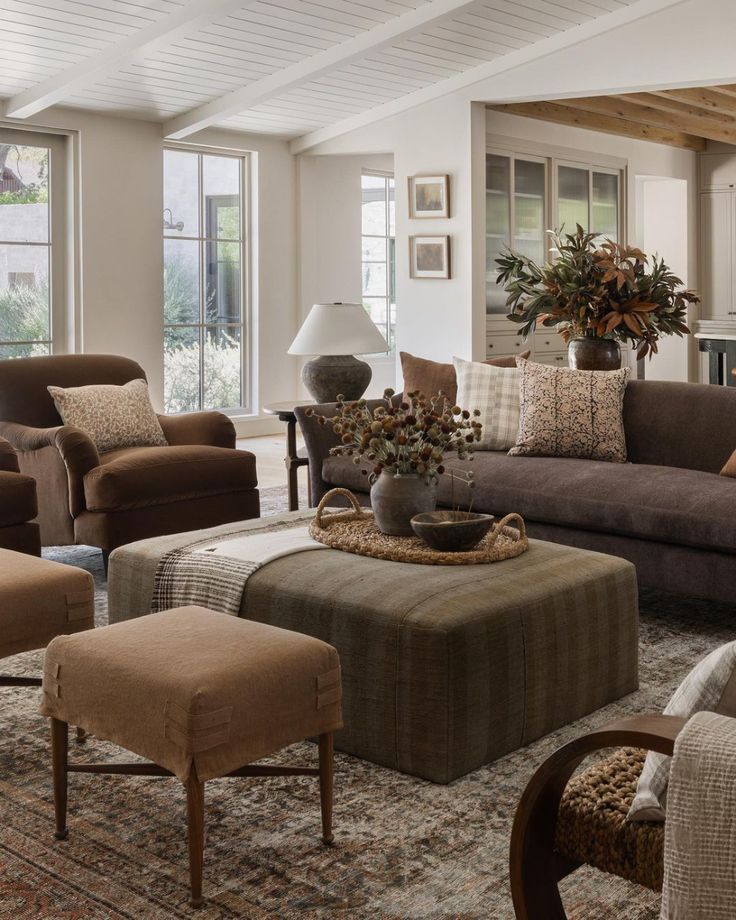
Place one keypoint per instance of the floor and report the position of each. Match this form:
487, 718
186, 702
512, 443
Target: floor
270, 451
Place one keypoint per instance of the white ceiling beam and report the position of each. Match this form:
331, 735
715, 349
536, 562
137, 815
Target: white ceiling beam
185, 21
533, 52
368, 42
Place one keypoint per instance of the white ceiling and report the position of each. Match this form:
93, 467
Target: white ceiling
164, 59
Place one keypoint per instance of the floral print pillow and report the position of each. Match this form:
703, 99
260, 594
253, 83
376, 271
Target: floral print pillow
568, 413
112, 416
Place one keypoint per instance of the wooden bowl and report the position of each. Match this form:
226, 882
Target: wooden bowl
451, 531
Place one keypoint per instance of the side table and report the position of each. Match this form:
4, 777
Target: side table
293, 459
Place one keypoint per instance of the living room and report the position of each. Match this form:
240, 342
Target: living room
216, 216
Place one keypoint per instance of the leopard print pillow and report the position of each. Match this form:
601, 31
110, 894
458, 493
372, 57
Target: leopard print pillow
112, 416
568, 413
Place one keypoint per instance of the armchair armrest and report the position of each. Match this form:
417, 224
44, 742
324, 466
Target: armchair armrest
535, 868
213, 429
76, 448
8, 457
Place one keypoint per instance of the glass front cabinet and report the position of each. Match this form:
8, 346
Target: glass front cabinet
525, 196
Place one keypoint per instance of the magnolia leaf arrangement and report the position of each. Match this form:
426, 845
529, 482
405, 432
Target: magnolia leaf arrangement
603, 290
410, 436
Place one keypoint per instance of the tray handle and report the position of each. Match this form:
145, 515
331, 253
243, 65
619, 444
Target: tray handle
498, 528
357, 511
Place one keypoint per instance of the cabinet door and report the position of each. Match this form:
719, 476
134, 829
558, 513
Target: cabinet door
717, 210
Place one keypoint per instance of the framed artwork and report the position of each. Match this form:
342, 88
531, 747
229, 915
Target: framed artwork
429, 256
429, 196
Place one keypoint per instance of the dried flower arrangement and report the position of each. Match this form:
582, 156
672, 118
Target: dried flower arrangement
409, 437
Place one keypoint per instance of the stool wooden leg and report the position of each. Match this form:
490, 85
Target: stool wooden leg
326, 784
81, 735
195, 820
59, 751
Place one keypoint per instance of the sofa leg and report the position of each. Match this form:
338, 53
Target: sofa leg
195, 825
326, 784
59, 752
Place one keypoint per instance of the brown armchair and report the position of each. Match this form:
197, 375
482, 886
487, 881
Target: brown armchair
18, 505
106, 500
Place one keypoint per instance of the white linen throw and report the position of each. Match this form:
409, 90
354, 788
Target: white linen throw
213, 573
699, 841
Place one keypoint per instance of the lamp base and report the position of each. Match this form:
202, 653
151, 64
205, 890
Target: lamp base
330, 375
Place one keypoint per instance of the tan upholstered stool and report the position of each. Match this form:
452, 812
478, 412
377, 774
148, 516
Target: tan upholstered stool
201, 695
40, 599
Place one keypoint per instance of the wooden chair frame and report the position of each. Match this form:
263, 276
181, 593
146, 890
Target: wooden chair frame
194, 791
535, 867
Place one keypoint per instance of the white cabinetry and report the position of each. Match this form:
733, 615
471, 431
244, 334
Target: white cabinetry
717, 236
546, 347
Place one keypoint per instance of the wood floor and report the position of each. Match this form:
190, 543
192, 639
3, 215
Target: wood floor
270, 451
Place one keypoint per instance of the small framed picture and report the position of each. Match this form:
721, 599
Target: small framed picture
429, 256
429, 196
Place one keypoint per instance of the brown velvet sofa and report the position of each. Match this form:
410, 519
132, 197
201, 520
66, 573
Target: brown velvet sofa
106, 500
666, 510
18, 505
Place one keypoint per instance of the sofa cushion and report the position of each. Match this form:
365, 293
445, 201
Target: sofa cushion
571, 413
17, 498
661, 503
137, 477
429, 377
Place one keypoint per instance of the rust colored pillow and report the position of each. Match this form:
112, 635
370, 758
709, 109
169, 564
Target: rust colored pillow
729, 468
429, 377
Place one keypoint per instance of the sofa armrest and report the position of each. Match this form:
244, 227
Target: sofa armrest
8, 457
76, 448
213, 429
319, 439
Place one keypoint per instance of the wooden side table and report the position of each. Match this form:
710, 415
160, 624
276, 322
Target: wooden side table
294, 458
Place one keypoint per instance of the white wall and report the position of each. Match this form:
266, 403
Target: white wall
119, 194
662, 227
330, 240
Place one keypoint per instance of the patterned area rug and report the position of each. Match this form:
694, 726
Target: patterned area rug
405, 848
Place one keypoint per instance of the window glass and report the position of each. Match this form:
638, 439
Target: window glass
604, 216
25, 251
203, 281
378, 263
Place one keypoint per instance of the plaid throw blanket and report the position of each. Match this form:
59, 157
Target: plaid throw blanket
699, 843
213, 573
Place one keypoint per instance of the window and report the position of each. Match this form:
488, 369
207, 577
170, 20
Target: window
519, 197
588, 197
32, 260
205, 302
379, 252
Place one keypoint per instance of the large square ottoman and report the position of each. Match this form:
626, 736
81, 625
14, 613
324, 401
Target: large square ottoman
444, 668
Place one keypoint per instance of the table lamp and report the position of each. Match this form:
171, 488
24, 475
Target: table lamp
336, 332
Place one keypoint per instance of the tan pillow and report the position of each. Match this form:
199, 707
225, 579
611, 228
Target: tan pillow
112, 416
494, 392
429, 377
567, 413
729, 468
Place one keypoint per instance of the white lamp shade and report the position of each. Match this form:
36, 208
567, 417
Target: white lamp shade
338, 329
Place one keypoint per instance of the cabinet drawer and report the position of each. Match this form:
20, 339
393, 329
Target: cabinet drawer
556, 359
718, 171
547, 342
508, 344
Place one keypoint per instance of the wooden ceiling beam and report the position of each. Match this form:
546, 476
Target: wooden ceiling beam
707, 99
564, 114
654, 109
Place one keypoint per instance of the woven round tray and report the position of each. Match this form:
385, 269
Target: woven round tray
355, 531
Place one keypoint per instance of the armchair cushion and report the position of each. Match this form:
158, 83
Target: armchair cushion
112, 416
139, 477
17, 498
